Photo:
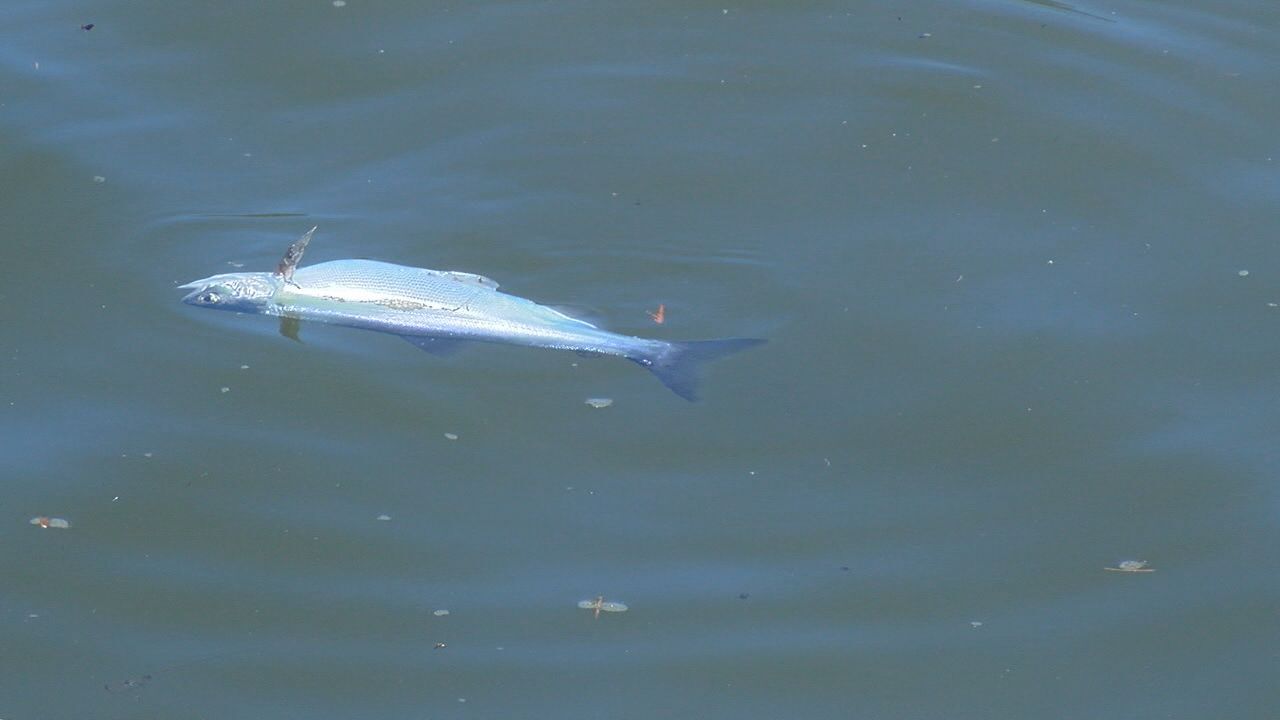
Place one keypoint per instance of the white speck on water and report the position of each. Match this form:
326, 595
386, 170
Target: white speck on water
1049, 263
225, 389
99, 179
148, 455
1132, 566
440, 613
450, 436
384, 517
1271, 304
599, 402
1243, 273
339, 3
244, 367
975, 623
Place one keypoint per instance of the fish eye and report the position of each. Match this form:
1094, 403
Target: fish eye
209, 298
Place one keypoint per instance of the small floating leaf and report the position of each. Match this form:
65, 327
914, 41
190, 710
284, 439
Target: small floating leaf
51, 522
599, 604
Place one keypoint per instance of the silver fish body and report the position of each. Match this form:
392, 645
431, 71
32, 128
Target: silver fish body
435, 309
417, 302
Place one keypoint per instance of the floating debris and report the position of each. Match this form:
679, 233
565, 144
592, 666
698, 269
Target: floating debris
224, 389
130, 684
450, 436
1131, 566
441, 646
99, 179
50, 522
339, 3
658, 316
975, 623
1243, 273
599, 604
599, 402
87, 27
384, 517
440, 613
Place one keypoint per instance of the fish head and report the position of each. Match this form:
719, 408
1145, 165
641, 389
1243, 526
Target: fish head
242, 292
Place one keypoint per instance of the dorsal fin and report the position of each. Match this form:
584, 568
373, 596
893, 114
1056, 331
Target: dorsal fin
469, 278
293, 256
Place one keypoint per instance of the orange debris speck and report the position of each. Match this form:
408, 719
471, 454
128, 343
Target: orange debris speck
660, 315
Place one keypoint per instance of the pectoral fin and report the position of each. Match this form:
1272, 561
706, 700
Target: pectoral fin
440, 347
289, 327
293, 256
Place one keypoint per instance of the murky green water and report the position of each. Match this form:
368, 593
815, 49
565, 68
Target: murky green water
1018, 265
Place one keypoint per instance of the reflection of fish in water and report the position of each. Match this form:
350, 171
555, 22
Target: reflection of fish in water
436, 309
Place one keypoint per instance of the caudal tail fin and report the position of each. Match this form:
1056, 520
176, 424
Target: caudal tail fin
677, 365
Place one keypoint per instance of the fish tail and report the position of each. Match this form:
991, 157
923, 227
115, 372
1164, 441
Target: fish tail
677, 364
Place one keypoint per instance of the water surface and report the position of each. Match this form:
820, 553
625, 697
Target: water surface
1016, 261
